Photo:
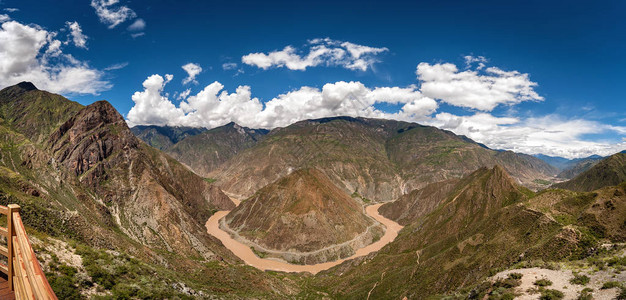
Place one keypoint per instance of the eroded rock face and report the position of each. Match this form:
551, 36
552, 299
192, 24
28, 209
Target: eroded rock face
153, 199
89, 138
380, 159
415, 205
301, 213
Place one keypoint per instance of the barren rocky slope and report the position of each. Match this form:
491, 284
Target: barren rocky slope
153, 198
378, 159
304, 212
208, 150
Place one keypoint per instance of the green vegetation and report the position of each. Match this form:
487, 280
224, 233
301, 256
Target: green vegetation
63, 279
258, 253
550, 294
357, 195
622, 294
585, 294
608, 172
543, 282
611, 284
125, 277
501, 289
579, 279
542, 182
616, 261
210, 180
510, 282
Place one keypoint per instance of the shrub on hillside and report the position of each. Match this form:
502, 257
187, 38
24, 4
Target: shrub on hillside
585, 294
543, 282
579, 279
549, 294
610, 285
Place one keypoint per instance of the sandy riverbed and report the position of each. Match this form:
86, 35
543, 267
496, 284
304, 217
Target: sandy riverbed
245, 253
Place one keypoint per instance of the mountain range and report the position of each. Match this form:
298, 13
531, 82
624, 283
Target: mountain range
569, 168
377, 159
119, 212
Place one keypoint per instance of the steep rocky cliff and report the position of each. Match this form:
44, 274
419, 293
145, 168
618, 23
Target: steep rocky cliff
85, 159
153, 198
205, 152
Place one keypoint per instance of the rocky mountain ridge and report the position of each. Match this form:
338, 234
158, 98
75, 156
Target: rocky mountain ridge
378, 159
607, 172
89, 172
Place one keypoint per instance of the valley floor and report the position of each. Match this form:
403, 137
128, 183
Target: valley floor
247, 255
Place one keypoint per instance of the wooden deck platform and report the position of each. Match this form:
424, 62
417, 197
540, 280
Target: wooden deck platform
5, 291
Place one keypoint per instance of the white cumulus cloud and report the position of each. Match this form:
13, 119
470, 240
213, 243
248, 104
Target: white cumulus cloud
550, 134
77, 35
213, 106
138, 25
192, 71
11, 9
112, 14
184, 94
4, 18
326, 52
473, 88
31, 53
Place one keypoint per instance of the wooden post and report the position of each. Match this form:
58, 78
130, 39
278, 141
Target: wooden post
10, 234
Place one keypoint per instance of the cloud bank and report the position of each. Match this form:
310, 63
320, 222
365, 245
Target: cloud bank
474, 89
31, 53
214, 106
325, 52
550, 134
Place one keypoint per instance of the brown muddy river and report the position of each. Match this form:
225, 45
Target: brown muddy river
245, 253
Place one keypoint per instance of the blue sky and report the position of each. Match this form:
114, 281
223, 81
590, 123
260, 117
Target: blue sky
552, 80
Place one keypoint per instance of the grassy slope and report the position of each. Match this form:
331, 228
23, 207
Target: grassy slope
609, 171
476, 231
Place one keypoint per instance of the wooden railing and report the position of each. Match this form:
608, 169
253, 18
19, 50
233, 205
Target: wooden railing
23, 271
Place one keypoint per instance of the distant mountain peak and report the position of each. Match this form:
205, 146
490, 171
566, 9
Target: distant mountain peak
18, 89
27, 86
607, 172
